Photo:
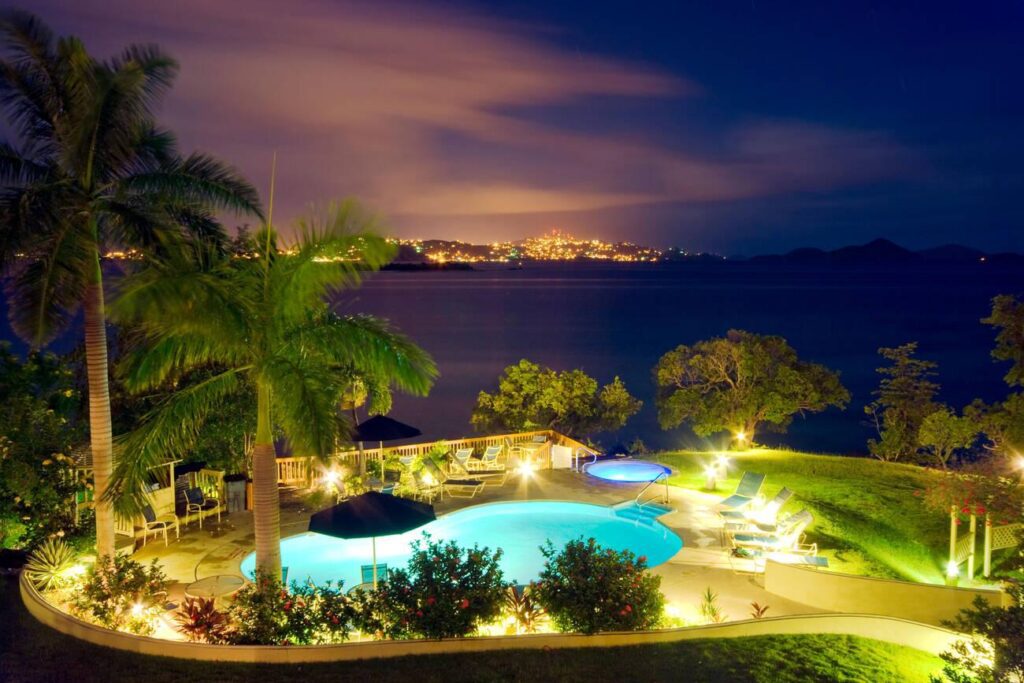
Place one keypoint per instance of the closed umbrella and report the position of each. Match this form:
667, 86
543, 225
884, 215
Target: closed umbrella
371, 515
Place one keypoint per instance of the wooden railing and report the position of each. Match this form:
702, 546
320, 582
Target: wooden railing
296, 470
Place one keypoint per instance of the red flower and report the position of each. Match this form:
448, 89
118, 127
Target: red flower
629, 608
464, 604
419, 613
334, 620
642, 559
431, 600
287, 605
980, 510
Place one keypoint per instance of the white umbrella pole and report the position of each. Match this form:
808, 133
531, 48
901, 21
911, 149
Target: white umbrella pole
374, 542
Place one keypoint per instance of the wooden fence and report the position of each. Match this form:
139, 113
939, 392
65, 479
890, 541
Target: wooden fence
301, 471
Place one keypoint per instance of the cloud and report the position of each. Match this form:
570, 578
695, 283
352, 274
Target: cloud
422, 111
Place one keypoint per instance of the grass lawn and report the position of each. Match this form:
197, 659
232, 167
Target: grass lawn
867, 519
32, 652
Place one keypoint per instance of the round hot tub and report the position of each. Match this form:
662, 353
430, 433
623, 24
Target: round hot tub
627, 471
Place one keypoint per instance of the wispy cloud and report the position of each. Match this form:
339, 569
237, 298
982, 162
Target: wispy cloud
419, 110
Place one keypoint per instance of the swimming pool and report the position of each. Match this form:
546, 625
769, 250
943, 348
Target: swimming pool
627, 470
519, 528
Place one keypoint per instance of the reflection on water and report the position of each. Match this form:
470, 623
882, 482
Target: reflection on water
612, 320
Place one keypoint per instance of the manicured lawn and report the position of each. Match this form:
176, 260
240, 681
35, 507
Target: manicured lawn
30, 651
868, 519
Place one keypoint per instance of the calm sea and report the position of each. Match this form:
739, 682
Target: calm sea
618, 320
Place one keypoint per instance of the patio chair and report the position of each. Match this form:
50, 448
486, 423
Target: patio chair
197, 503
366, 572
157, 524
426, 490
497, 476
785, 539
747, 490
487, 461
457, 487
766, 515
462, 455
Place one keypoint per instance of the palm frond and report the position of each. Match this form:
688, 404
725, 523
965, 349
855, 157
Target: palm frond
159, 70
166, 432
148, 363
16, 169
305, 394
372, 348
201, 179
29, 80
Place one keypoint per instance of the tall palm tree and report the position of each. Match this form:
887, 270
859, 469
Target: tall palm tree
92, 171
265, 323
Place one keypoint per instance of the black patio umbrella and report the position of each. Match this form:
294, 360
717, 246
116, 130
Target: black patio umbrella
381, 428
370, 515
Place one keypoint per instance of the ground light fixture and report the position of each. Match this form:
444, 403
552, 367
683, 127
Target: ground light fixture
525, 469
711, 477
952, 573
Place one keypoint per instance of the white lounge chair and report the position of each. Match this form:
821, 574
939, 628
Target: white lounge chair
487, 461
747, 490
496, 477
157, 524
784, 539
456, 486
767, 514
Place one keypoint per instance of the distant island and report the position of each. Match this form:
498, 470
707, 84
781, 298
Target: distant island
557, 246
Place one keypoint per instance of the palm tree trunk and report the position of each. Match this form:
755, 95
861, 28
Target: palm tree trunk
266, 500
100, 430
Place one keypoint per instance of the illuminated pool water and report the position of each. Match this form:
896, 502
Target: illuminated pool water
519, 528
627, 470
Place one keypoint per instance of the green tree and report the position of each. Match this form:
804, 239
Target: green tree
1008, 317
267, 322
905, 396
740, 382
994, 652
1001, 423
531, 397
92, 171
943, 434
39, 428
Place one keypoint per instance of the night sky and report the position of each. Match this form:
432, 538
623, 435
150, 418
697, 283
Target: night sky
739, 127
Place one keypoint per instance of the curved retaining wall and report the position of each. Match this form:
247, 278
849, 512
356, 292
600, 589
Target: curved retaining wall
835, 592
889, 629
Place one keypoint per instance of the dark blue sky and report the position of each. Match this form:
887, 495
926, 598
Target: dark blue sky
740, 127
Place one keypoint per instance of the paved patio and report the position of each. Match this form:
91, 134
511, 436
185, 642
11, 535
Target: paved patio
702, 562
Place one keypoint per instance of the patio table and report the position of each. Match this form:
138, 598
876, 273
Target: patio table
216, 586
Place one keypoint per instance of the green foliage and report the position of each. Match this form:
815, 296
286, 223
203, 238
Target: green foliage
199, 620
522, 606
994, 653
1008, 317
120, 593
51, 565
39, 428
265, 612
943, 434
757, 610
262, 323
533, 397
739, 382
1001, 423
986, 487
708, 609
587, 589
903, 399
445, 591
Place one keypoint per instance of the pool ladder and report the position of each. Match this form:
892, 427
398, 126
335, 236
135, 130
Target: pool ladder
664, 497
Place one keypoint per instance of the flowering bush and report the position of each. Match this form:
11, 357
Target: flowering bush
265, 612
586, 588
444, 592
121, 594
988, 487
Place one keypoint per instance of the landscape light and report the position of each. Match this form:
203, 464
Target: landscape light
525, 469
952, 569
741, 436
722, 462
331, 478
137, 610
428, 479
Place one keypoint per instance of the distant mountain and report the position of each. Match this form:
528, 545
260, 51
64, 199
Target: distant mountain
882, 251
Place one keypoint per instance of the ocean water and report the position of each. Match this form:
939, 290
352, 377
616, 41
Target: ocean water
618, 320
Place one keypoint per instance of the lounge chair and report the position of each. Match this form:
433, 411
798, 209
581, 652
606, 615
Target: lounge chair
426, 490
487, 461
497, 476
457, 487
197, 503
766, 515
366, 572
747, 490
157, 524
785, 539
463, 455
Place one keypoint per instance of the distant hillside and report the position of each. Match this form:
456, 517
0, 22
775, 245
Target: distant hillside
882, 251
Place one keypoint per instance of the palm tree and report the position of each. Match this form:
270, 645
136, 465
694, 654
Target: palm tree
262, 322
92, 171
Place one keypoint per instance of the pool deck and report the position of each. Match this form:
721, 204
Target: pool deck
702, 562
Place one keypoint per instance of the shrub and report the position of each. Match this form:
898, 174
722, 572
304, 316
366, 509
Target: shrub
52, 565
522, 606
587, 589
265, 612
444, 592
200, 621
709, 610
994, 649
122, 594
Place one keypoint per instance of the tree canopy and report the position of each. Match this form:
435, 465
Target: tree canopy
943, 434
740, 382
905, 396
531, 396
1008, 317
